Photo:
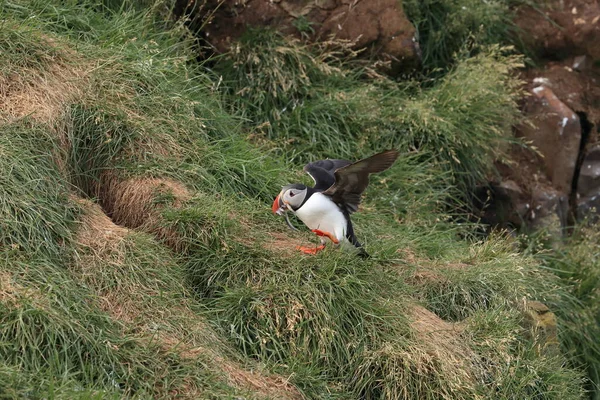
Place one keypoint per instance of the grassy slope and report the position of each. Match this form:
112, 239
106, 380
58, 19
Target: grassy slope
203, 283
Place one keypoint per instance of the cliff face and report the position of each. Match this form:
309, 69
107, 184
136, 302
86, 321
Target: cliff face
558, 183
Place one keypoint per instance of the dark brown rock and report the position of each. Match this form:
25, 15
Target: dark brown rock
556, 132
564, 110
503, 204
379, 25
549, 211
574, 81
562, 29
589, 207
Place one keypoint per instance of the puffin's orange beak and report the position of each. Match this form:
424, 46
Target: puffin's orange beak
276, 205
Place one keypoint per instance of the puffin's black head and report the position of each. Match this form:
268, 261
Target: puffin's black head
291, 196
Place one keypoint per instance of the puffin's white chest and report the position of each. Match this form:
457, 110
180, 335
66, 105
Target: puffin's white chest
319, 212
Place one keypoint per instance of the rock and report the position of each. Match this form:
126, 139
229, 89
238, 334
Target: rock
549, 211
565, 114
588, 186
562, 29
542, 327
503, 204
574, 82
582, 63
378, 25
589, 175
524, 197
556, 133
589, 207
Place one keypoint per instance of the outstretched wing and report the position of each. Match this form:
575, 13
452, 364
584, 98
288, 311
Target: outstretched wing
352, 180
323, 171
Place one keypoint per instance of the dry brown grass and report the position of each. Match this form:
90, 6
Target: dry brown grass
427, 271
258, 381
42, 94
13, 294
443, 347
263, 384
286, 242
98, 232
133, 203
8, 289
103, 246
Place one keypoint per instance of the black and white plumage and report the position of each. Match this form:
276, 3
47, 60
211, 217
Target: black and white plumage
326, 207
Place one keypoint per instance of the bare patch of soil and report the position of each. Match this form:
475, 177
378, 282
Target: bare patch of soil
138, 202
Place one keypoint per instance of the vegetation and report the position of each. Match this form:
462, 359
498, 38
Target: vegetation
445, 27
138, 256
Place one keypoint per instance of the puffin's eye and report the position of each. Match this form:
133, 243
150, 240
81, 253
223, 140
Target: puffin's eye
292, 194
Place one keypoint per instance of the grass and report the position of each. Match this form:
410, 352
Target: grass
446, 27
35, 213
198, 292
576, 264
461, 120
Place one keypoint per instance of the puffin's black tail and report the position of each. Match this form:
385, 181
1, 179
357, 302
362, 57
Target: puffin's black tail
352, 239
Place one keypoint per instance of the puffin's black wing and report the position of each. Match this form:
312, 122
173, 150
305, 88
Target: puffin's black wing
323, 171
353, 179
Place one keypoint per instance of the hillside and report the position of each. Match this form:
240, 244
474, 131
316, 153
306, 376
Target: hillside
140, 258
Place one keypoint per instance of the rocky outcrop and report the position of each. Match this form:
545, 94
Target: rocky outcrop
562, 29
555, 131
377, 25
534, 192
555, 183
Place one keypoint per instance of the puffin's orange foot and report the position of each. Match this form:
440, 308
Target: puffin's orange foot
310, 250
326, 234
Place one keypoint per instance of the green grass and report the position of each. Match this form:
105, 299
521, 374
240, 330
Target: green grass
35, 214
96, 140
444, 28
577, 264
461, 120
209, 285
53, 330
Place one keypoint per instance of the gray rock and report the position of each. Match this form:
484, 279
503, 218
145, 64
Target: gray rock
589, 175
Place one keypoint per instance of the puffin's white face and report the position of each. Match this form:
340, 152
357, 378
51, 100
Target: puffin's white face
291, 197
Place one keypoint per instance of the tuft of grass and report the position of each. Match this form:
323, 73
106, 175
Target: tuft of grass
348, 320
95, 141
444, 27
52, 329
35, 214
293, 95
465, 119
495, 334
274, 74
577, 264
25, 48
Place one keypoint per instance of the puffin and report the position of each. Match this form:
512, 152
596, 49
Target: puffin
325, 208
